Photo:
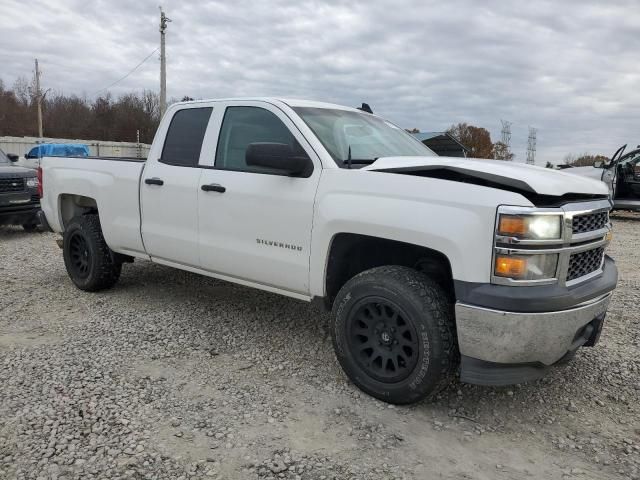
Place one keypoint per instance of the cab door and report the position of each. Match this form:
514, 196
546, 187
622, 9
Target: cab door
169, 189
255, 224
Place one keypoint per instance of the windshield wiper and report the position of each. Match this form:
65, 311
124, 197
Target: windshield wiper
357, 161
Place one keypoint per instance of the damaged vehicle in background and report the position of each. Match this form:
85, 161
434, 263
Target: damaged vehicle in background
622, 176
429, 264
19, 199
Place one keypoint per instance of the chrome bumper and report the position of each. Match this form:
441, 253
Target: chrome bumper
513, 337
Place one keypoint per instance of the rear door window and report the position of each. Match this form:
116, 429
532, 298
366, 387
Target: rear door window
185, 135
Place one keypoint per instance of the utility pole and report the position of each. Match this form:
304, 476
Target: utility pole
39, 100
163, 64
531, 146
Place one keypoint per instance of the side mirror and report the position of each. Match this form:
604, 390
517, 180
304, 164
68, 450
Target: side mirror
597, 164
279, 157
13, 157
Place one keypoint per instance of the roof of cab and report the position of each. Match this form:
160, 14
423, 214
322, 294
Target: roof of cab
288, 101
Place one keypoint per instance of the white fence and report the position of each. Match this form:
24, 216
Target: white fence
99, 148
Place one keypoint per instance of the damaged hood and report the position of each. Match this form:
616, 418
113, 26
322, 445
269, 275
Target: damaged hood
494, 173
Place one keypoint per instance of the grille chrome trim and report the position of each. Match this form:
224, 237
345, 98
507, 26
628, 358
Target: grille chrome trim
585, 263
589, 222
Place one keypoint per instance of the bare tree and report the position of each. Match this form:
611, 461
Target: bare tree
583, 160
105, 118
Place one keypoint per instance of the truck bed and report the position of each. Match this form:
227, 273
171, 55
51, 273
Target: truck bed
72, 184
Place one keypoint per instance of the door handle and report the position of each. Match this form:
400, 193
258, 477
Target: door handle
153, 181
213, 187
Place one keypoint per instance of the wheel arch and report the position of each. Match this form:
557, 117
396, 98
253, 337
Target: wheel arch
350, 254
72, 205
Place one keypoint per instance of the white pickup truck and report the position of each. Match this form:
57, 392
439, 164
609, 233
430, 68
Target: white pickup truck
430, 265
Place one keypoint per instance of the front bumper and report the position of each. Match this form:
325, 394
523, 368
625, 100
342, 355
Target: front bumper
515, 337
500, 346
19, 215
504, 348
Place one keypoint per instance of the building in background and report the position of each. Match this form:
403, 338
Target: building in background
442, 143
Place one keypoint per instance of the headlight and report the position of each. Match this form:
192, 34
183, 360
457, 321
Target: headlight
526, 267
530, 227
32, 182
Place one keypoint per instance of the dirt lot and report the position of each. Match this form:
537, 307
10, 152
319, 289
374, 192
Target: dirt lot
172, 375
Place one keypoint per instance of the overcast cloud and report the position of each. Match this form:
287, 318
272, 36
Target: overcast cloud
569, 68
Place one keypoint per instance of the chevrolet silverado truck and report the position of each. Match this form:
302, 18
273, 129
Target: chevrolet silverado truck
430, 265
19, 199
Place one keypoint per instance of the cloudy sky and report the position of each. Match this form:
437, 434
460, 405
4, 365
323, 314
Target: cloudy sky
569, 68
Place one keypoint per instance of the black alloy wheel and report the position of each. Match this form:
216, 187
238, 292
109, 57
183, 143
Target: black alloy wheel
90, 263
79, 255
386, 344
393, 331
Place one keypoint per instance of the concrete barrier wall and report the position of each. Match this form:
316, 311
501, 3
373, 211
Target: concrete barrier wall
100, 148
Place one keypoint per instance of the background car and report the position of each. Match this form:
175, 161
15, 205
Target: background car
19, 199
622, 176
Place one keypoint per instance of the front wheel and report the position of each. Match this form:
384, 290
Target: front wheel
90, 263
393, 333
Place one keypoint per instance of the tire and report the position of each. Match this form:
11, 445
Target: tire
388, 312
90, 263
30, 227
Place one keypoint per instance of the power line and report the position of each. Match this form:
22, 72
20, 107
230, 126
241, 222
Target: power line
133, 70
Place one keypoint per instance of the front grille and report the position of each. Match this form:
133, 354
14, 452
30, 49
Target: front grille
590, 222
11, 184
584, 263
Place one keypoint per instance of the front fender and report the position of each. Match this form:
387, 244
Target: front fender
453, 218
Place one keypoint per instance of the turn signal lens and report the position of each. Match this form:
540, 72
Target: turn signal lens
526, 267
512, 225
512, 267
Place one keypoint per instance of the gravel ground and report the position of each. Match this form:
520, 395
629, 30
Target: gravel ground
173, 375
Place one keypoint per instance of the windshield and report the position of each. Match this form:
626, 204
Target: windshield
368, 136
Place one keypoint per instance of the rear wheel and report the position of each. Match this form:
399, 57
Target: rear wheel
90, 263
393, 332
